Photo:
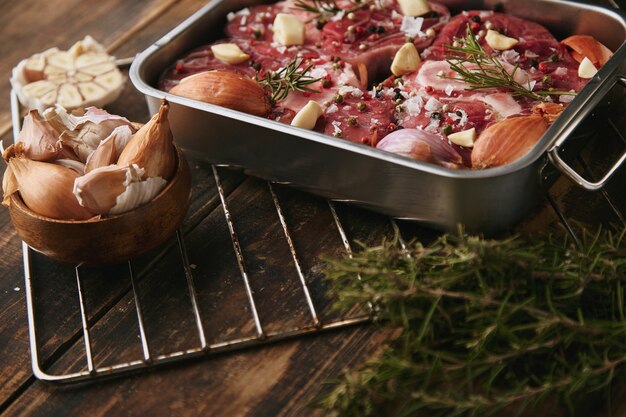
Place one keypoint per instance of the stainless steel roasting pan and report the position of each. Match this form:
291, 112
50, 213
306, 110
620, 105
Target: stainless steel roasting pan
490, 200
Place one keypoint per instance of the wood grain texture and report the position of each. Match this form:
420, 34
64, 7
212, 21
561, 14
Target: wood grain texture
277, 380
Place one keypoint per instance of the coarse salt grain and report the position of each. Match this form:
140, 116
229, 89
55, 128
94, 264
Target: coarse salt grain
412, 26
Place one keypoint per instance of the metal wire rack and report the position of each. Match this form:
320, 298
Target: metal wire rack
260, 335
149, 360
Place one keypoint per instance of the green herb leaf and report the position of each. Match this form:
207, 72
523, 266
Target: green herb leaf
280, 83
485, 324
481, 70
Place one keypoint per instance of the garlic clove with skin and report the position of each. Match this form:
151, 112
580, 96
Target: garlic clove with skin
47, 189
109, 149
152, 147
37, 140
9, 186
113, 189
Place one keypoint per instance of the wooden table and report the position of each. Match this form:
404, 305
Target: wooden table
275, 380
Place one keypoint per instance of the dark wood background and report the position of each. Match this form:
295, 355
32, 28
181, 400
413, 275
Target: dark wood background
276, 380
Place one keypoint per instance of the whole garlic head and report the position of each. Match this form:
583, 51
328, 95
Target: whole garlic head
82, 76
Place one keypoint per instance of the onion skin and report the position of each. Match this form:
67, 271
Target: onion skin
227, 90
507, 140
587, 46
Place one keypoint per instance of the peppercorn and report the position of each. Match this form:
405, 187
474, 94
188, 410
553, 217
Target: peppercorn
435, 115
554, 58
325, 82
371, 29
547, 79
338, 98
257, 34
352, 121
475, 18
361, 106
447, 129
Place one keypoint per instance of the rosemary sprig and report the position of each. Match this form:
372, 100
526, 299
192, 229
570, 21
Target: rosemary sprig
325, 9
485, 325
481, 70
281, 82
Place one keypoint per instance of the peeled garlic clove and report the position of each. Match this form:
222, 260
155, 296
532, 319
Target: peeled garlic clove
406, 60
152, 148
308, 115
113, 189
227, 90
47, 189
507, 140
37, 140
586, 69
109, 149
464, 138
288, 29
498, 41
229, 53
414, 7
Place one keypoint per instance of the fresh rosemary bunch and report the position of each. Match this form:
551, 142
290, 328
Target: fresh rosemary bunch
324, 9
481, 70
281, 82
485, 326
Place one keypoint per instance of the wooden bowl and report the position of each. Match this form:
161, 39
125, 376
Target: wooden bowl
109, 240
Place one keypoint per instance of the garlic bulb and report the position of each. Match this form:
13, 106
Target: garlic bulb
47, 189
84, 75
152, 148
113, 189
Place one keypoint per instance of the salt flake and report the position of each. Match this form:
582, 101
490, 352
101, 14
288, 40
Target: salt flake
412, 26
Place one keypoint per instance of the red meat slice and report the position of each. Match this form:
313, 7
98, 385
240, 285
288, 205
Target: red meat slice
370, 40
256, 22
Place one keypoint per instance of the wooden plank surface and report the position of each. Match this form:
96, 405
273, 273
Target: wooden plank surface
278, 380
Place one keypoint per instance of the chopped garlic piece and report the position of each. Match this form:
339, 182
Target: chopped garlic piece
465, 138
229, 53
586, 69
288, 30
308, 115
498, 41
414, 7
407, 60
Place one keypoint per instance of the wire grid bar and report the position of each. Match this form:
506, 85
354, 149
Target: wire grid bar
148, 360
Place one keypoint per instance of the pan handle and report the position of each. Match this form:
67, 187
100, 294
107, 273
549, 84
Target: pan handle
566, 169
